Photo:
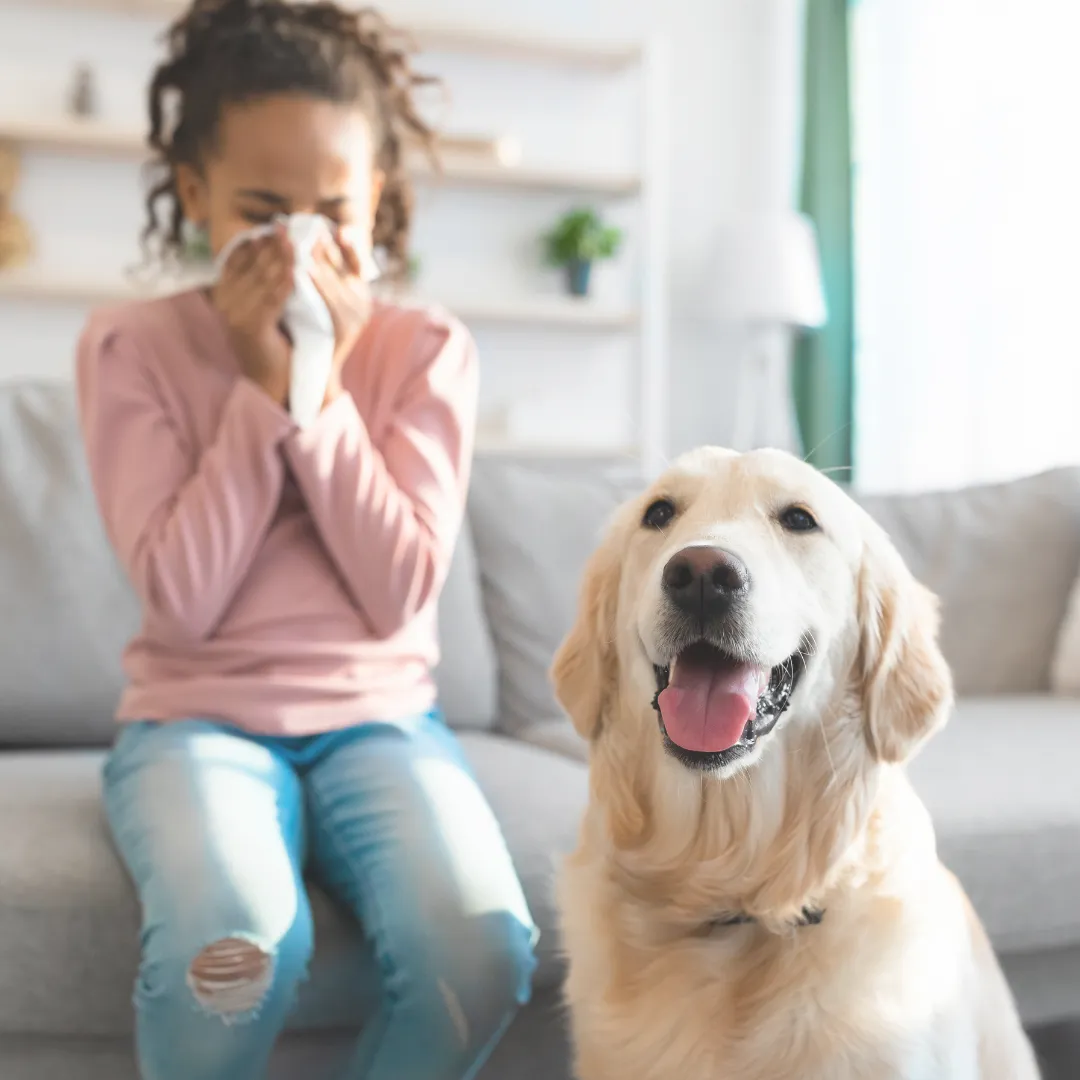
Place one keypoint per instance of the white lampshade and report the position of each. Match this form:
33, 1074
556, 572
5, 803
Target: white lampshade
767, 270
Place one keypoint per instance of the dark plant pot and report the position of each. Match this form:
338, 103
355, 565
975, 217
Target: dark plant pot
578, 273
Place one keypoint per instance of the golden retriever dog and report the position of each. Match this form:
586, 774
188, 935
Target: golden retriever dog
756, 894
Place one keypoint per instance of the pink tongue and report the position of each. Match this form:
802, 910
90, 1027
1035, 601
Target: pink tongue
706, 708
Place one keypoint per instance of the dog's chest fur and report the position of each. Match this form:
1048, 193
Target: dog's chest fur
721, 1006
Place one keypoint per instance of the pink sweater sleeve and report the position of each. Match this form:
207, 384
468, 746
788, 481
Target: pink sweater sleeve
389, 515
185, 527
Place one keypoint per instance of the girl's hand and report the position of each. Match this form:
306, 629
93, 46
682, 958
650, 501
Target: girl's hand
336, 274
251, 295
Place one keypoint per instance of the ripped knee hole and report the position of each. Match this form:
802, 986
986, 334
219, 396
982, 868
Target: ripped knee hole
231, 976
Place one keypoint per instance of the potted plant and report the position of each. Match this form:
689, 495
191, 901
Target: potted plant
578, 240
195, 246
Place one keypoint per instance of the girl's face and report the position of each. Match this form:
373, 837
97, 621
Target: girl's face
285, 155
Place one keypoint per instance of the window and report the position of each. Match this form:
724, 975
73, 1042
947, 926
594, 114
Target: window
967, 225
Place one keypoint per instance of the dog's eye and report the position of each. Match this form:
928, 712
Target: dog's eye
798, 519
659, 514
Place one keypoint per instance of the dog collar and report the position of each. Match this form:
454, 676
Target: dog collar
808, 917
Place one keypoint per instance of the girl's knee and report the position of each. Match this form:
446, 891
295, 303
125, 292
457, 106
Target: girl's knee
214, 1013
482, 981
505, 960
231, 978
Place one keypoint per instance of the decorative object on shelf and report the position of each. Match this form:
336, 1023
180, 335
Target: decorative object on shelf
196, 250
502, 150
767, 280
15, 240
9, 171
82, 97
578, 240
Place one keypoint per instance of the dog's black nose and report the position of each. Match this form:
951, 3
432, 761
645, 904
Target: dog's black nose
705, 581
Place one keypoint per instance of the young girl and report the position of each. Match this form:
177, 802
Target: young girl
280, 714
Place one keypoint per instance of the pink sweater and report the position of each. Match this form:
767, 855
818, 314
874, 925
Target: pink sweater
288, 578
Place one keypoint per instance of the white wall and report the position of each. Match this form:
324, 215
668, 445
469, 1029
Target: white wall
733, 133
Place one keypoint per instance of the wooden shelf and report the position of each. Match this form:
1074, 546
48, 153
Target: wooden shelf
91, 137
555, 313
491, 447
526, 178
588, 56
33, 285
511, 45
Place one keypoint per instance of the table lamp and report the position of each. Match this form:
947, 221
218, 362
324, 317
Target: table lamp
767, 281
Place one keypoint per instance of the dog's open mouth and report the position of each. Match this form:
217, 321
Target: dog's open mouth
714, 707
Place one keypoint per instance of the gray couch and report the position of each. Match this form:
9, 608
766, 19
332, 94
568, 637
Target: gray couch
1001, 780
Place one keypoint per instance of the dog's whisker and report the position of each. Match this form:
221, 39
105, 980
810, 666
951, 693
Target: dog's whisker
828, 438
828, 750
748, 780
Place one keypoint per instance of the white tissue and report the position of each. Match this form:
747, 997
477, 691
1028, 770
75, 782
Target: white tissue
306, 316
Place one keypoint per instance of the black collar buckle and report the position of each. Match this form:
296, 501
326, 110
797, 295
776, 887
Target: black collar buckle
809, 916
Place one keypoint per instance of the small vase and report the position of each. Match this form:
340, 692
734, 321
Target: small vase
577, 277
82, 99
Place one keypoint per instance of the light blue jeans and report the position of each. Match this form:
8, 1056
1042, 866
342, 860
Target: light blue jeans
217, 827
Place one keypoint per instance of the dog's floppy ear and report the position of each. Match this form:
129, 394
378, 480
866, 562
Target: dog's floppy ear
584, 672
906, 686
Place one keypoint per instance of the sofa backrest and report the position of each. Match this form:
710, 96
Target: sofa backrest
67, 610
1002, 558
535, 525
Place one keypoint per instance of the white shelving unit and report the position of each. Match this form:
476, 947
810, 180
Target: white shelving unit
645, 319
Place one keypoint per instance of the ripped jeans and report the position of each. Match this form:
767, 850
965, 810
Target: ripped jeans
217, 827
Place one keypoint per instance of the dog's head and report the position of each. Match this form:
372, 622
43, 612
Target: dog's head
743, 596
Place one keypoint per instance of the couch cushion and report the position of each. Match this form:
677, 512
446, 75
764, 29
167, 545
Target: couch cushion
1065, 665
68, 609
1002, 558
1001, 783
535, 526
467, 675
69, 918
559, 736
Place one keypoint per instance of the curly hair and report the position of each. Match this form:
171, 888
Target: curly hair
223, 52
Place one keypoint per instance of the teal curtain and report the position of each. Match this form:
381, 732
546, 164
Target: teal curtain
823, 375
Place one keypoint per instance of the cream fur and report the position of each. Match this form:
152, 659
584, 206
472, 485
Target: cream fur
898, 982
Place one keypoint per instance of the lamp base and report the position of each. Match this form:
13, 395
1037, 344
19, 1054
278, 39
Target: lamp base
764, 405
